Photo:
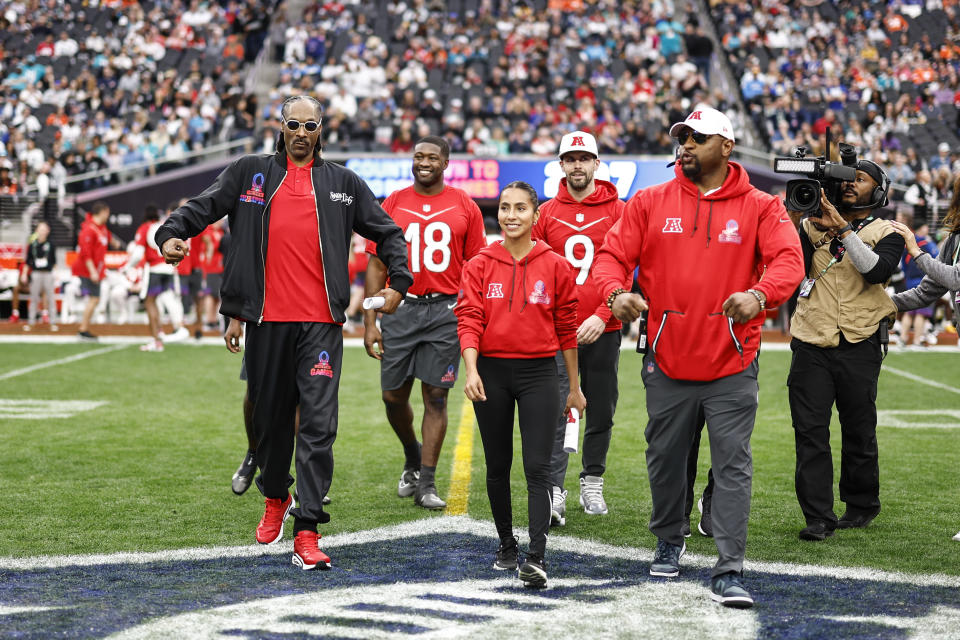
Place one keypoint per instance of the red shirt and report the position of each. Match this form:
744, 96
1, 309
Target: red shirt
212, 257
295, 288
511, 309
91, 245
189, 262
442, 233
143, 238
576, 230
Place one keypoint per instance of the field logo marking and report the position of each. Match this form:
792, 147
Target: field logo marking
462, 463
56, 363
892, 418
29, 409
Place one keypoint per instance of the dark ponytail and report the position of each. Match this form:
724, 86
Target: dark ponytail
520, 184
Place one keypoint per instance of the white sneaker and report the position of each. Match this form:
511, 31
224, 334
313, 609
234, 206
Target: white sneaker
558, 508
957, 537
180, 334
591, 496
153, 345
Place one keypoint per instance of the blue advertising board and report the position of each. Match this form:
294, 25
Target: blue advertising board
483, 178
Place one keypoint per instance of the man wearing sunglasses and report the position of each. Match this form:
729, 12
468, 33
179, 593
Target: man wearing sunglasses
292, 216
702, 242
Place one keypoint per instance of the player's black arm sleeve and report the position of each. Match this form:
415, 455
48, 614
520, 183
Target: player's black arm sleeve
199, 212
376, 224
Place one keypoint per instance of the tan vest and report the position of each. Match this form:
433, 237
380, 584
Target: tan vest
841, 300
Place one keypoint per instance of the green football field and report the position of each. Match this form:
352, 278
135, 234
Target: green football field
131, 451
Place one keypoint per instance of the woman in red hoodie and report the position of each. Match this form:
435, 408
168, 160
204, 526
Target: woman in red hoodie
517, 308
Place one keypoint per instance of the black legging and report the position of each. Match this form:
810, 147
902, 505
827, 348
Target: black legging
534, 386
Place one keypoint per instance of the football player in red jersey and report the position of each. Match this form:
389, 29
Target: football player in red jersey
574, 224
443, 228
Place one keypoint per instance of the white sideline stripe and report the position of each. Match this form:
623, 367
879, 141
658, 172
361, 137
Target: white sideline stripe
11, 611
45, 409
920, 379
463, 524
54, 363
206, 341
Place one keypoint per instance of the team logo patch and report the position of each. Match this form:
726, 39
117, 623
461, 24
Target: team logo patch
495, 290
379, 589
254, 194
450, 375
731, 234
539, 295
322, 366
579, 217
672, 225
345, 198
649, 367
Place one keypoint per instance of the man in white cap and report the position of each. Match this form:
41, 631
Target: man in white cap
575, 224
702, 242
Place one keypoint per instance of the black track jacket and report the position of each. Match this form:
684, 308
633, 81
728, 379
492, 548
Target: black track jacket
243, 192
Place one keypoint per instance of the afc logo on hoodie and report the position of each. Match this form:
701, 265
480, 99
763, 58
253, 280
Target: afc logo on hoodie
495, 290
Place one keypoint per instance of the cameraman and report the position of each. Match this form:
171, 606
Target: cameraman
839, 334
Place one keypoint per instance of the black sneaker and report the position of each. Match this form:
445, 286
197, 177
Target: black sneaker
507, 555
816, 531
244, 475
86, 335
533, 572
666, 559
728, 590
705, 526
856, 521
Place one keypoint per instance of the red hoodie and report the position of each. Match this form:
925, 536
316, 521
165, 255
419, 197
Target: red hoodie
511, 309
576, 230
91, 245
694, 251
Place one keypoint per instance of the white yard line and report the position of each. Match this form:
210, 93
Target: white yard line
54, 363
920, 379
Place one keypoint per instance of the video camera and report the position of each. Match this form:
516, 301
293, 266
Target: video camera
804, 194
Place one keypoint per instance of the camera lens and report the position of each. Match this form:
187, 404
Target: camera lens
805, 196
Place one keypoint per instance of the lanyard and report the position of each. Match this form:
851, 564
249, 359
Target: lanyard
841, 249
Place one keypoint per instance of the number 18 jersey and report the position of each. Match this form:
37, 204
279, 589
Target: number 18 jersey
442, 232
576, 230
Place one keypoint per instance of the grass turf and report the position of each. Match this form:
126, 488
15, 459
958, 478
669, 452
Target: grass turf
151, 469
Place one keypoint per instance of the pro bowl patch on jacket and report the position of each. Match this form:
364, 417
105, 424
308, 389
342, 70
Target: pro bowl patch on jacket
255, 193
731, 233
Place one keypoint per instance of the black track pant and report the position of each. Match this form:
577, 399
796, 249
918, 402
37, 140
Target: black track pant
848, 375
290, 363
532, 386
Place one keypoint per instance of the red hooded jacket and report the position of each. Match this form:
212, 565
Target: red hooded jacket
694, 251
91, 245
517, 309
576, 230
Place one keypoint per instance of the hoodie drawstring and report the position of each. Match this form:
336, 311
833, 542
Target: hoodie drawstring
709, 220
696, 217
513, 281
523, 285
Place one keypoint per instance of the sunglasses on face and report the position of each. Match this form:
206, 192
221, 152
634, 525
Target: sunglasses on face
698, 137
309, 125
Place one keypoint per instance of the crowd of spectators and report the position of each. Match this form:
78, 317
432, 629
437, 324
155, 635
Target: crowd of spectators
86, 86
496, 77
882, 75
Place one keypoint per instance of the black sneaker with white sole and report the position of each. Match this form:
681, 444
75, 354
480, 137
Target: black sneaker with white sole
244, 475
507, 555
533, 572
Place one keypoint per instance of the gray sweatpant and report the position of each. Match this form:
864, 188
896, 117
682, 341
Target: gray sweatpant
41, 287
674, 410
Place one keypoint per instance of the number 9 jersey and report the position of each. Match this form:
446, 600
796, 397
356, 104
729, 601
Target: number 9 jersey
576, 230
442, 232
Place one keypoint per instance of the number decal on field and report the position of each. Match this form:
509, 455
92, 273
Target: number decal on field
432, 245
584, 263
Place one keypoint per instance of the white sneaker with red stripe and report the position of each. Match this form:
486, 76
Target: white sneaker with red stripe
307, 554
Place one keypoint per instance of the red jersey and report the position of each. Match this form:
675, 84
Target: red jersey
576, 230
511, 309
442, 233
91, 245
144, 238
212, 259
295, 287
189, 262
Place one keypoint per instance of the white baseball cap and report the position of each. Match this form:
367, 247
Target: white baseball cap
578, 141
706, 120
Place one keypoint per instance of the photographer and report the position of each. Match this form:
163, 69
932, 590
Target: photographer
839, 334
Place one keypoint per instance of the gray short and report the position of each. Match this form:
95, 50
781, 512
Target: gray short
420, 341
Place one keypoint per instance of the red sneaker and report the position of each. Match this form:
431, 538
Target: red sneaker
270, 529
14, 317
44, 317
307, 554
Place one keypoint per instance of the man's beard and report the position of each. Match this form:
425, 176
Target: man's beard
693, 170
579, 183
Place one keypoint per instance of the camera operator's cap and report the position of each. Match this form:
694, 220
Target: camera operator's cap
578, 141
873, 170
706, 120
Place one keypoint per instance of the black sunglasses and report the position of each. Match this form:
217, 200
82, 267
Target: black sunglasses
309, 125
698, 137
